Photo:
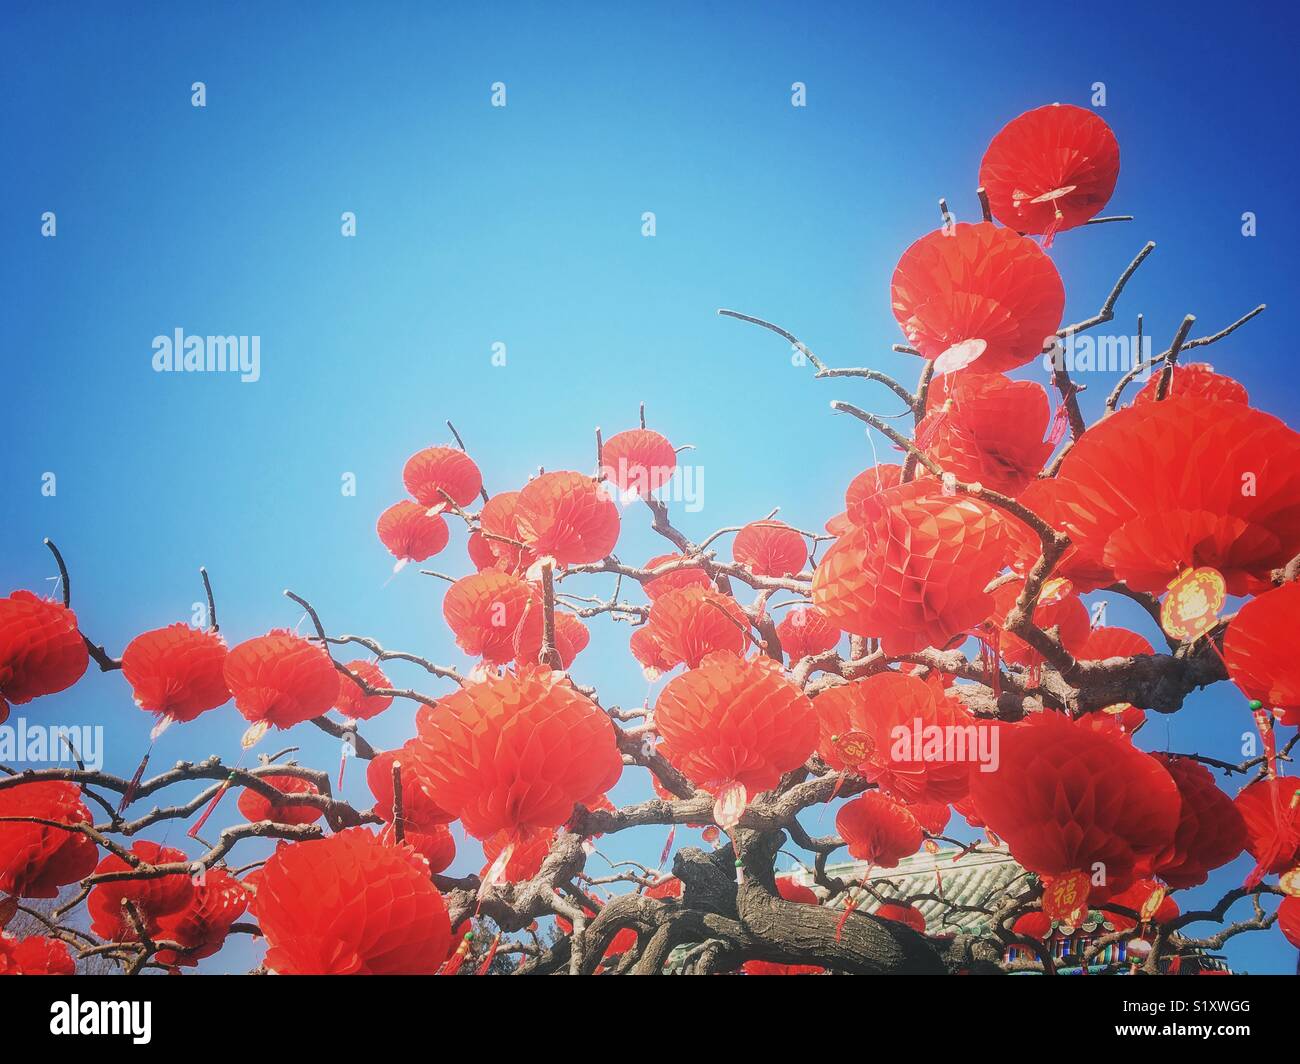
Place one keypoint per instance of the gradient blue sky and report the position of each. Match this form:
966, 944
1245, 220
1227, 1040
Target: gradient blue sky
522, 225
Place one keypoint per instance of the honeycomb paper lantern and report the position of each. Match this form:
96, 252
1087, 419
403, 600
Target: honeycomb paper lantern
255, 807
878, 829
977, 296
517, 752
434, 474
281, 679
1196, 379
693, 622
37, 859
638, 461
352, 701
1260, 661
153, 898
805, 632
350, 905
1210, 830
567, 517
770, 548
1050, 169
177, 672
410, 533
41, 650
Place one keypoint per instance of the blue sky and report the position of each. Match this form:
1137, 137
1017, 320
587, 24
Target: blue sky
522, 225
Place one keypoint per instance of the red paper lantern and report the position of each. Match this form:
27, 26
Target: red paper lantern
1270, 810
152, 898
352, 701
41, 650
1033, 924
420, 809
1260, 661
568, 517
915, 576
281, 679
692, 622
486, 612
1210, 830
805, 632
902, 913
34, 955
978, 296
411, 533
1288, 920
37, 859
1064, 612
684, 577
433, 842
350, 905
255, 807
770, 548
517, 752
894, 730
177, 672
878, 829
1198, 379
1220, 491
865, 488
435, 473
1067, 799
734, 721
987, 429
639, 461
932, 816
646, 649
202, 926
498, 543
1050, 169
571, 638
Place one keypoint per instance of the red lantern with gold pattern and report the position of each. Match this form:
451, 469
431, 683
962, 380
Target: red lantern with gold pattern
1221, 491
1068, 798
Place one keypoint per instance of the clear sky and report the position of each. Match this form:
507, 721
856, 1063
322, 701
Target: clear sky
522, 225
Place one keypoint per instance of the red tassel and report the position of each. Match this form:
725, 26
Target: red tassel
134, 785
212, 805
849, 906
491, 955
668, 845
1060, 423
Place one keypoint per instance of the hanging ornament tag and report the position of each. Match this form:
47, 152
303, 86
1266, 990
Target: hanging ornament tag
1065, 898
959, 356
730, 805
163, 724
1289, 882
1060, 424
1054, 591
496, 875
854, 747
931, 847
1192, 607
949, 484
254, 734
400, 564
711, 834
1153, 901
